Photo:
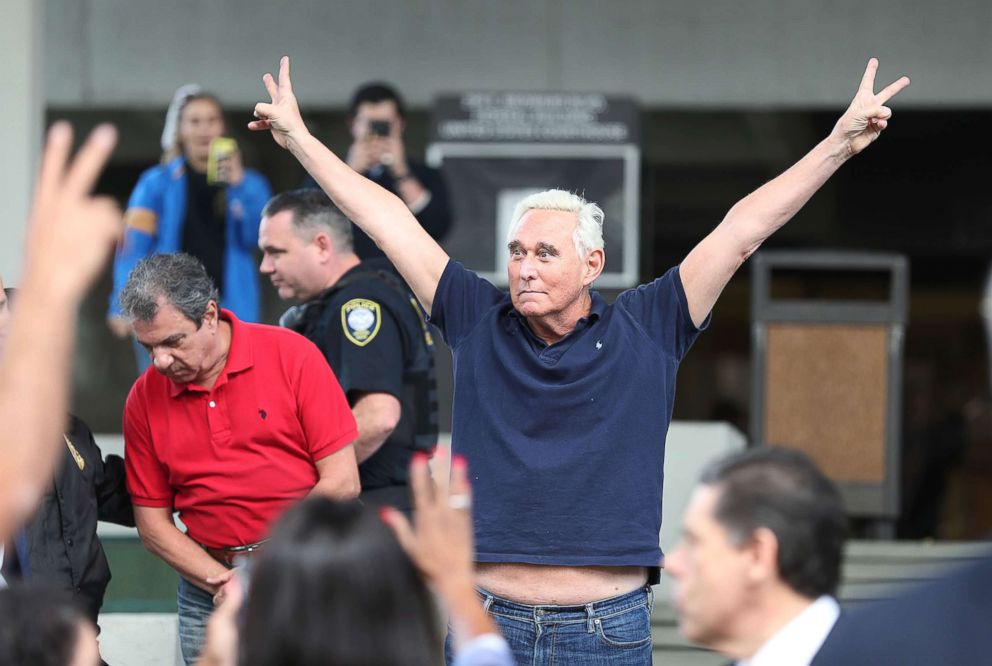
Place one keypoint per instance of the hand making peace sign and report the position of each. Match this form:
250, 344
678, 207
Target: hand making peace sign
867, 115
281, 117
71, 232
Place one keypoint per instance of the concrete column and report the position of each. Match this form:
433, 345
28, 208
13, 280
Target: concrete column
20, 132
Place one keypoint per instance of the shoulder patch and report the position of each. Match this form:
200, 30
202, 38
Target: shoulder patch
80, 462
360, 320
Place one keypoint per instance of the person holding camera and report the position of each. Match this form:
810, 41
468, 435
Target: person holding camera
378, 119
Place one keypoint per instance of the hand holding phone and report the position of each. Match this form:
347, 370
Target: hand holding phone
224, 162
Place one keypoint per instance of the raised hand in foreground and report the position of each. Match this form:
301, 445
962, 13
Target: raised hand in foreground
440, 543
69, 237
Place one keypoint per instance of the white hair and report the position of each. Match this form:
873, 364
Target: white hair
588, 234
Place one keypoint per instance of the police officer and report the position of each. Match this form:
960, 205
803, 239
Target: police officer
370, 328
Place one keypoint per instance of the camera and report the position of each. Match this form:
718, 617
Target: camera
379, 127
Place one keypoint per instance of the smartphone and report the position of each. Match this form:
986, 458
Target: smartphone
379, 127
221, 150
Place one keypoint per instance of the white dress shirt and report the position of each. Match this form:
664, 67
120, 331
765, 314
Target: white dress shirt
797, 642
485, 650
3, 583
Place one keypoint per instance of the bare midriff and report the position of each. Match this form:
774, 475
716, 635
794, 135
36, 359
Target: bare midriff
538, 584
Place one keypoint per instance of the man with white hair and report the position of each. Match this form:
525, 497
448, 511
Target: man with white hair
562, 401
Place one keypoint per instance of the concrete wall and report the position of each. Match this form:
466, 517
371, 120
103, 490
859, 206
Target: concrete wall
716, 54
20, 132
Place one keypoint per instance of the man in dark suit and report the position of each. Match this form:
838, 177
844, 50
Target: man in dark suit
946, 622
760, 558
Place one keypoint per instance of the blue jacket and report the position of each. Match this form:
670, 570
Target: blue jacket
162, 190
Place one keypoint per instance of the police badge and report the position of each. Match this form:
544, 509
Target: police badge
360, 319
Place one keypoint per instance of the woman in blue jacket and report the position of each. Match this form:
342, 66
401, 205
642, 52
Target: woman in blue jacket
174, 208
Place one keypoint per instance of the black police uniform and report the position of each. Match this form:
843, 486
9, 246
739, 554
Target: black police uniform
62, 545
376, 339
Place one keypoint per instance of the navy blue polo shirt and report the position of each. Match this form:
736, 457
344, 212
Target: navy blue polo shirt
565, 443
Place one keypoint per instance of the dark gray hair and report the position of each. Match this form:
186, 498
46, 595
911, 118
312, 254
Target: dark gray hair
178, 278
784, 491
313, 212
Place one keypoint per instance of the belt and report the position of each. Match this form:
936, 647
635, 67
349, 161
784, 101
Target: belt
229, 556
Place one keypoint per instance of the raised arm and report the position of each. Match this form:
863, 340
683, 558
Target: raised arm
711, 264
379, 213
439, 542
70, 236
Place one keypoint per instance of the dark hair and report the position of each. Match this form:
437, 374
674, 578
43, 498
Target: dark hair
313, 211
334, 587
784, 491
178, 278
39, 626
375, 92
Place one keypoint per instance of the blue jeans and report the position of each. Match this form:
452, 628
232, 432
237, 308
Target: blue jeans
613, 631
195, 607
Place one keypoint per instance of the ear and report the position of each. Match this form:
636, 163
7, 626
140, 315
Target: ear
763, 549
211, 316
325, 245
593, 266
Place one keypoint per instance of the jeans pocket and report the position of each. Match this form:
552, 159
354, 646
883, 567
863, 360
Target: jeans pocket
627, 629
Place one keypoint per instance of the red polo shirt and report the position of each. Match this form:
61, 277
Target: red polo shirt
232, 458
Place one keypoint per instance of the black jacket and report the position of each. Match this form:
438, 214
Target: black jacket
62, 545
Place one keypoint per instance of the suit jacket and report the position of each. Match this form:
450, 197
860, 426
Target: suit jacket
946, 622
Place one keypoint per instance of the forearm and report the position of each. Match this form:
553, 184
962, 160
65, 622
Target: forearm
711, 264
338, 475
465, 613
34, 372
378, 212
373, 208
368, 442
182, 554
376, 415
337, 489
413, 193
757, 216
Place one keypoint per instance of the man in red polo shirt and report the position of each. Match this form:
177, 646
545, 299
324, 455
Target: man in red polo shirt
235, 422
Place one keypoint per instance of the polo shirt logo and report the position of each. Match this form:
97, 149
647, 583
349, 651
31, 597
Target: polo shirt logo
360, 320
599, 344
262, 413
